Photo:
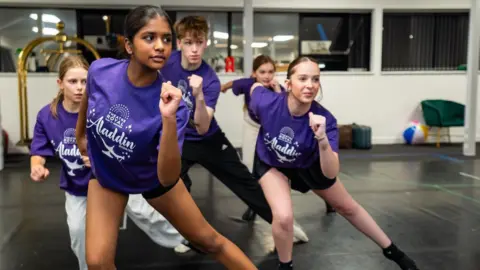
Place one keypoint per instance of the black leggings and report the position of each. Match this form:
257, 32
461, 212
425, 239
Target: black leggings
216, 154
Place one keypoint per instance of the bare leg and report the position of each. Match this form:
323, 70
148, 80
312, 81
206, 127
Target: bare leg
277, 192
338, 197
179, 208
104, 213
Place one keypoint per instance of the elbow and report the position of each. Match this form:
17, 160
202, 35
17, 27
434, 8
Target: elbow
202, 130
167, 179
331, 172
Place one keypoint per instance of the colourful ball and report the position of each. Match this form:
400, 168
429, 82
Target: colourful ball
415, 133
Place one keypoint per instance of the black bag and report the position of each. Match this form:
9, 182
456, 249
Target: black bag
346, 137
362, 136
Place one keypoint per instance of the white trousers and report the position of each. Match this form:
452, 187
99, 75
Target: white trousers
250, 133
138, 210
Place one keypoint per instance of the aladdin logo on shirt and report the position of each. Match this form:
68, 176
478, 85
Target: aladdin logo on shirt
68, 148
111, 127
186, 95
283, 145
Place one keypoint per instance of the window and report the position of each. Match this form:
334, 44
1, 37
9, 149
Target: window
22, 25
424, 41
339, 41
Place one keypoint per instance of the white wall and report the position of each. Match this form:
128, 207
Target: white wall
385, 102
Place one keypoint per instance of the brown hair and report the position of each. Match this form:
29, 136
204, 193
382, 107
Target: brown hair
69, 62
197, 26
296, 62
262, 59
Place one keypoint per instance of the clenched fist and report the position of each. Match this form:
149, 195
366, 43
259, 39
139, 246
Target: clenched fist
275, 85
86, 161
196, 83
317, 124
170, 98
39, 173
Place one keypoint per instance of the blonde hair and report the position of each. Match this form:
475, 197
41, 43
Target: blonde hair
69, 62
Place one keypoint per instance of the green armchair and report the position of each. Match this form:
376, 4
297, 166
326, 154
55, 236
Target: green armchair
443, 114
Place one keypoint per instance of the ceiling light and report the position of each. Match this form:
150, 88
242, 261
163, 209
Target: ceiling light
233, 47
49, 18
46, 31
280, 38
220, 35
259, 44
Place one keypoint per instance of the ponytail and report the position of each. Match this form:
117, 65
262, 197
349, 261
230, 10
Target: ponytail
55, 102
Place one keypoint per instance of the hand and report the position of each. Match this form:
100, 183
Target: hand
317, 124
275, 85
196, 84
170, 98
86, 161
82, 146
39, 173
223, 88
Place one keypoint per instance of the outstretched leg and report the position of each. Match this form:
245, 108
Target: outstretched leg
346, 206
178, 207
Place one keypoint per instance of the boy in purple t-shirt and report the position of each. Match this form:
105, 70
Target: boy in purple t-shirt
263, 72
205, 143
135, 123
301, 145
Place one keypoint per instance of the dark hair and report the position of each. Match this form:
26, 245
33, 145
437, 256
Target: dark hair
197, 26
139, 17
296, 62
262, 59
69, 62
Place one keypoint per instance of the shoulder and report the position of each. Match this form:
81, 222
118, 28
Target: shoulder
105, 64
319, 109
174, 59
45, 111
208, 74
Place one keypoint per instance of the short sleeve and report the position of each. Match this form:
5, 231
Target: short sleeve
40, 143
332, 133
242, 86
182, 121
211, 92
262, 99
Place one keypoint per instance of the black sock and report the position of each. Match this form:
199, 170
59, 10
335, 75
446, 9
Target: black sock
393, 252
285, 266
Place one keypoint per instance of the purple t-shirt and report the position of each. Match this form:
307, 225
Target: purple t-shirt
287, 141
56, 137
124, 127
242, 87
174, 72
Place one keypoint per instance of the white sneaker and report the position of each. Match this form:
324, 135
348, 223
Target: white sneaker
299, 233
181, 249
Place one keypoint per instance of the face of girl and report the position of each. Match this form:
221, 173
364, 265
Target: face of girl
73, 84
152, 44
264, 74
305, 82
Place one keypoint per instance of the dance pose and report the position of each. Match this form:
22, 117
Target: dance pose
135, 122
302, 145
264, 73
54, 135
205, 143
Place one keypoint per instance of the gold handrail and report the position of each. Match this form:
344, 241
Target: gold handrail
60, 38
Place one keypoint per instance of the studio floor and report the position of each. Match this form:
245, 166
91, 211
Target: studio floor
426, 199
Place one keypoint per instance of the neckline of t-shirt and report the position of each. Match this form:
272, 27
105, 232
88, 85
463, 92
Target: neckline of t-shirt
61, 107
127, 80
285, 103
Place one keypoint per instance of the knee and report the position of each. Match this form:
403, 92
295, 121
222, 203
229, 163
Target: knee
99, 262
284, 220
211, 243
347, 209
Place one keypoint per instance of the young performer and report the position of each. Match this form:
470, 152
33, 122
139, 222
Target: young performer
264, 73
302, 145
54, 135
205, 143
135, 135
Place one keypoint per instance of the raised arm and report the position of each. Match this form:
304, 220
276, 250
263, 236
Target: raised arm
226, 86
327, 143
174, 122
39, 149
80, 130
203, 112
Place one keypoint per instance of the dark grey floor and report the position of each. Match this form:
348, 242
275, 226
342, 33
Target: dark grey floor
426, 199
